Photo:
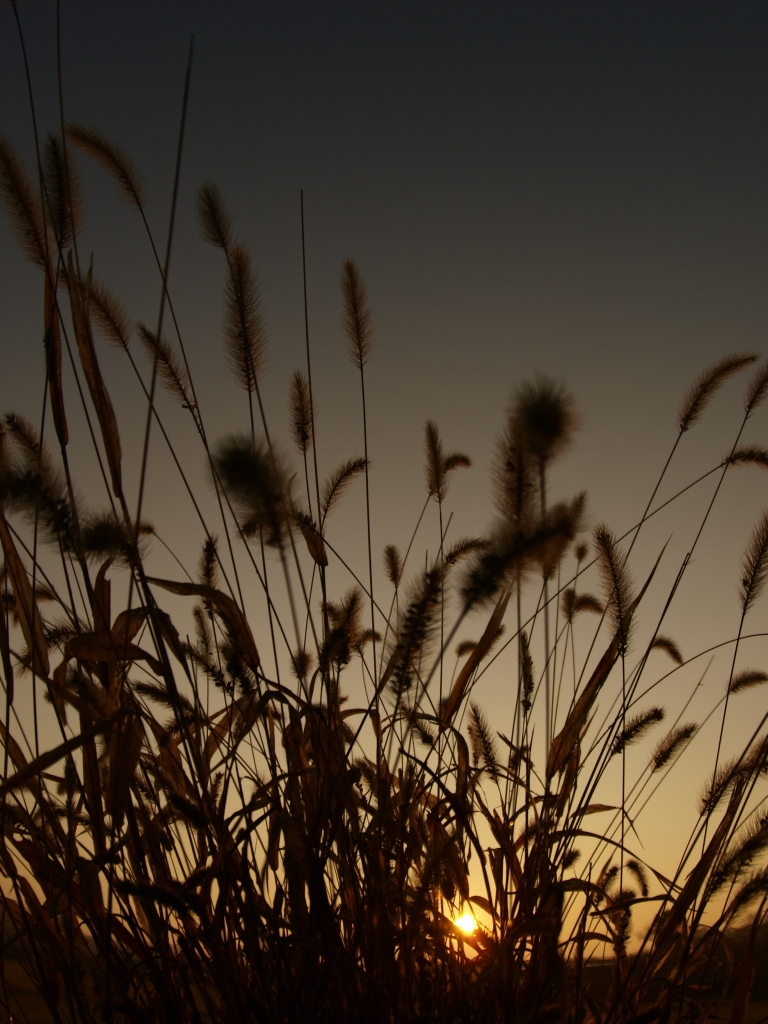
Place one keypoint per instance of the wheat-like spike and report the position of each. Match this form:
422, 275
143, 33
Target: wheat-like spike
102, 534
616, 581
357, 318
572, 603
28, 440
112, 158
435, 465
393, 565
701, 392
754, 565
208, 566
215, 222
258, 486
746, 679
23, 205
587, 603
63, 192
543, 418
243, 322
749, 455
302, 412
751, 842
672, 746
110, 315
461, 548
338, 481
513, 479
173, 375
664, 643
464, 647
526, 671
483, 745
722, 780
456, 460
567, 603
757, 390
203, 631
640, 874
635, 728
416, 631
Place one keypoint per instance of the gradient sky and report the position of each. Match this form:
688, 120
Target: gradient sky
578, 189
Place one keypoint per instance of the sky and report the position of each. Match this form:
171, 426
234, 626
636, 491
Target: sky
570, 189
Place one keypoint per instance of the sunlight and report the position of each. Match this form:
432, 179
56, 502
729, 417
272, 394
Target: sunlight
466, 923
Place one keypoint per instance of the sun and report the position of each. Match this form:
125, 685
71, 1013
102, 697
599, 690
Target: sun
466, 923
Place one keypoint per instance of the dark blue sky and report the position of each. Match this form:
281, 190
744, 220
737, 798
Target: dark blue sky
577, 188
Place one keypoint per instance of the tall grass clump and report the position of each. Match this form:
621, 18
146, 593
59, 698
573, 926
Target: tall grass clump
196, 829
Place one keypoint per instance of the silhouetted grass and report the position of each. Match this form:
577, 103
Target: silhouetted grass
207, 840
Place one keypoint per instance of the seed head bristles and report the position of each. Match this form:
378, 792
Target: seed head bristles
337, 483
526, 672
346, 631
616, 582
27, 440
513, 481
572, 603
664, 643
581, 551
243, 323
208, 566
484, 750
357, 318
32, 486
751, 455
257, 486
415, 633
755, 887
754, 564
393, 565
544, 418
758, 387
562, 523
112, 159
706, 384
23, 205
746, 679
172, 374
456, 460
637, 869
462, 548
672, 746
435, 461
722, 781
635, 728
63, 193
213, 218
464, 647
749, 844
302, 412
438, 464
109, 315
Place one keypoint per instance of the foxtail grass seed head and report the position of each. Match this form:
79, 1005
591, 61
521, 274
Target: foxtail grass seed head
112, 158
215, 223
24, 206
544, 419
357, 318
703, 389
302, 412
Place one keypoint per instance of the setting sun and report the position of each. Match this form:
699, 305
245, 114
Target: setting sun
466, 923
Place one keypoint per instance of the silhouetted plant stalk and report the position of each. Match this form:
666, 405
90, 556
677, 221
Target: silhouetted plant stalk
190, 834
